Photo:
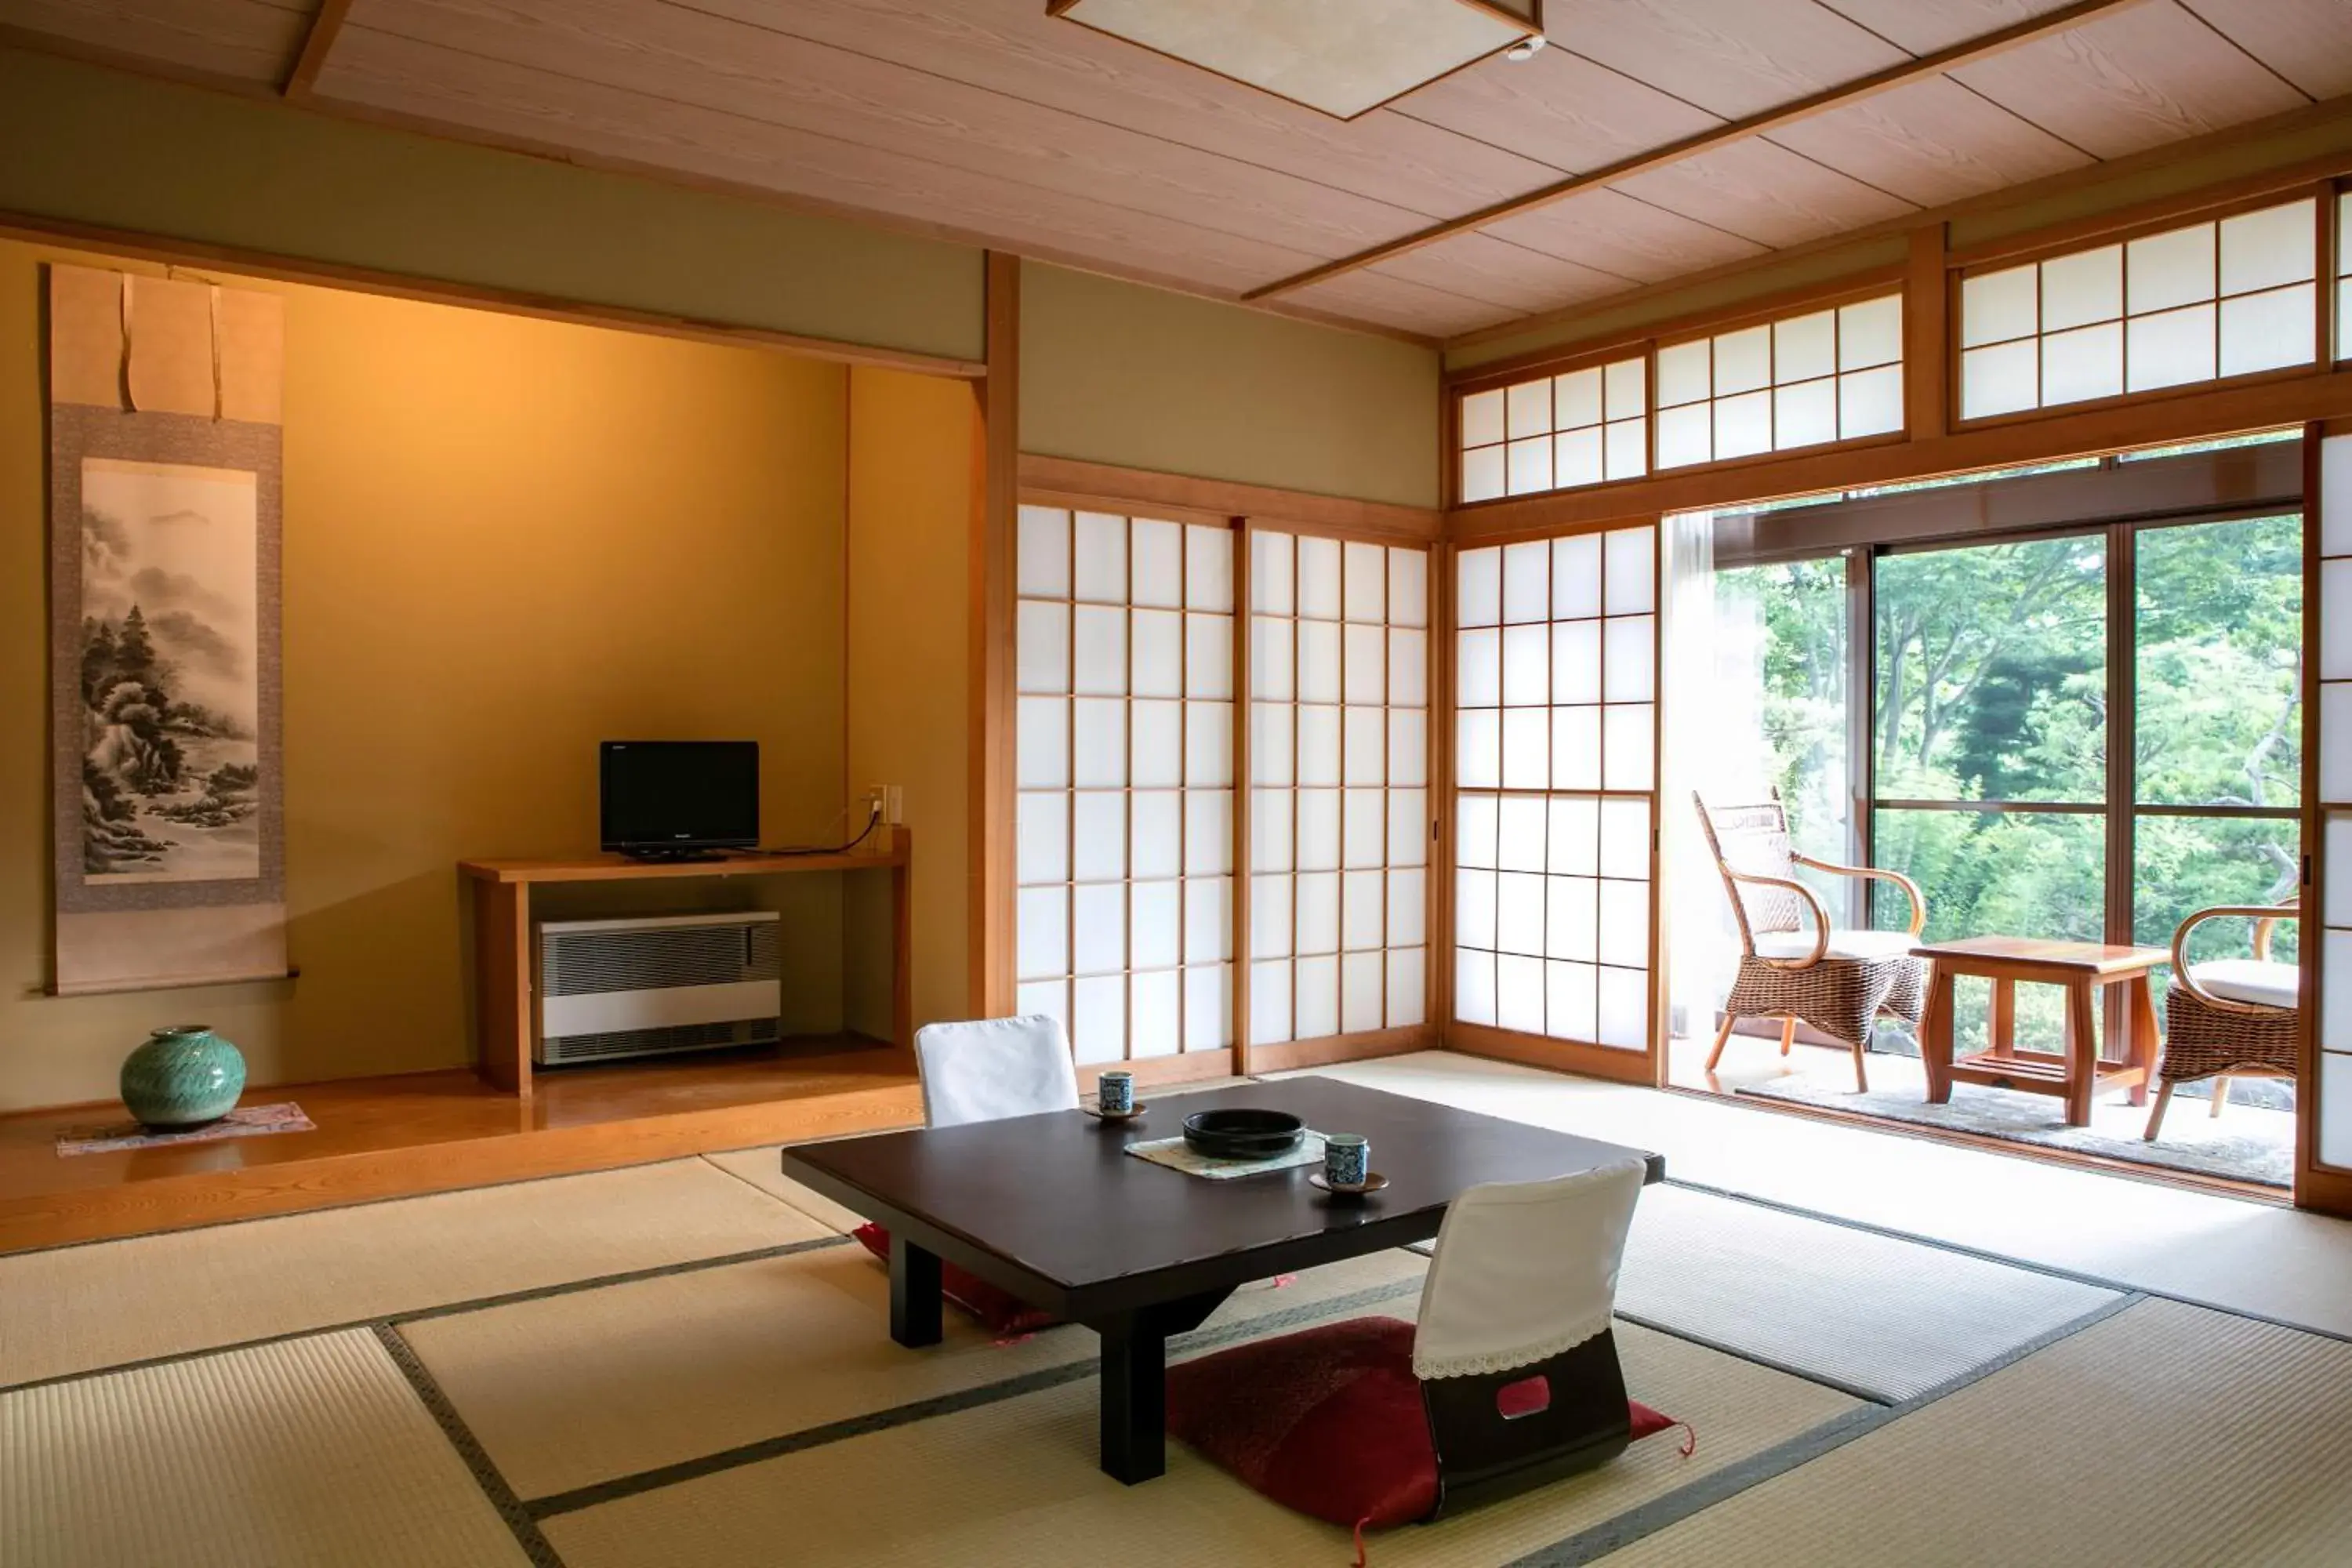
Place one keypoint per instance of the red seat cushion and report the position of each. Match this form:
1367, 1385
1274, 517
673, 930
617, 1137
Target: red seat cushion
1327, 1420
998, 1310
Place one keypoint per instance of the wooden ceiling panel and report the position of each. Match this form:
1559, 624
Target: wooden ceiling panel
1931, 143
1558, 107
1765, 192
244, 40
2309, 42
1611, 232
1923, 27
679, 55
2137, 79
1485, 268
1016, 49
1730, 58
515, 105
1376, 296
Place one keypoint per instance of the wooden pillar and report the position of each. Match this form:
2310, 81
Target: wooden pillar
995, 498
1927, 360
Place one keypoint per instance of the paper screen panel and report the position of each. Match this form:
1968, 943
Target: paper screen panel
1338, 693
1556, 756
2333, 841
1123, 760
1583, 427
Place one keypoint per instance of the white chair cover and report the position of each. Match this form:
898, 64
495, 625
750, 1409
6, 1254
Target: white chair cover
1524, 1271
992, 1068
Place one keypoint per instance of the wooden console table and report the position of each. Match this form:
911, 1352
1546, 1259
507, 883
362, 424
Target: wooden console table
506, 962
2076, 1073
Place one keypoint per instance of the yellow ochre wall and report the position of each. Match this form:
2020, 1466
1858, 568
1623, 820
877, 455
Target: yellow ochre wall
912, 442
504, 540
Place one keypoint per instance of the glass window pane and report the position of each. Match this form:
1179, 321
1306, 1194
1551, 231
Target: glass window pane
1991, 672
2171, 348
2011, 871
2190, 863
2084, 363
1781, 644
2168, 269
1871, 334
2086, 287
2263, 249
2218, 639
2267, 332
1998, 306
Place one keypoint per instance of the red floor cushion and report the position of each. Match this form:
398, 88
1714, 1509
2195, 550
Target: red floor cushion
1329, 1421
998, 1310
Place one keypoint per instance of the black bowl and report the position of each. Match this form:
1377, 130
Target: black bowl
1243, 1134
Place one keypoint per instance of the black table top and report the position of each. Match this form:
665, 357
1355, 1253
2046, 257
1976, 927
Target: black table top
1052, 1209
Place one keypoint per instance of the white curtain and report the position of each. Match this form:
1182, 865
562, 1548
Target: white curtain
1714, 747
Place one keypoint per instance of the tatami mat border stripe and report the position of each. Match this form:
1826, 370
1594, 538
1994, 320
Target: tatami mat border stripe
1721, 1486
427, 1389
621, 1487
2073, 1276
451, 1309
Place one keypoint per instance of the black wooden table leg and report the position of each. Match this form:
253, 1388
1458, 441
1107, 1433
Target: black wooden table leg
914, 1294
1135, 1382
1134, 1404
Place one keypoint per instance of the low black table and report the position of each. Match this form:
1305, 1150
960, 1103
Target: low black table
1052, 1209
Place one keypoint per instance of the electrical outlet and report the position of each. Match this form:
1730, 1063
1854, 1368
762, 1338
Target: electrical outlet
892, 800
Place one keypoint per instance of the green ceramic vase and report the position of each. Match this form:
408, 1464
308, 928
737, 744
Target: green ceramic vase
183, 1077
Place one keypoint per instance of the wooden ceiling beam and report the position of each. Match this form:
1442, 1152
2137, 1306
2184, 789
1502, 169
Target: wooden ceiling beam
1903, 75
325, 26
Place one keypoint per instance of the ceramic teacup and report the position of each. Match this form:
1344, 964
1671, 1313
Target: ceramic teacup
1347, 1159
1115, 1093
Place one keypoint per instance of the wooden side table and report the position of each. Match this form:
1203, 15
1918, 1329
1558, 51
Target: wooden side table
2076, 1073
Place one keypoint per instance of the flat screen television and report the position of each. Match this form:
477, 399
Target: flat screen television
680, 799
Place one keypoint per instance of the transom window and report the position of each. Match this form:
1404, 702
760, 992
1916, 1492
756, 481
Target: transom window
1557, 432
2202, 302
1824, 377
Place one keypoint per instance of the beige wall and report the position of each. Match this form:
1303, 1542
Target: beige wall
505, 540
1118, 372
912, 455
100, 147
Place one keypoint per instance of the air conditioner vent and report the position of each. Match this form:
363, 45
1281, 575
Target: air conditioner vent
610, 989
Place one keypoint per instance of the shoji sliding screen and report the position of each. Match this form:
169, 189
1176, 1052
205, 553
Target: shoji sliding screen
2328, 1092
1125, 658
1339, 822
1555, 772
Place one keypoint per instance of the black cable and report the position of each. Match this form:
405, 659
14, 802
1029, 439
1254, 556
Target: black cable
873, 820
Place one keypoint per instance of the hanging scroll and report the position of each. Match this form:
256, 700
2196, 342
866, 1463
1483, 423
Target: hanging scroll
163, 525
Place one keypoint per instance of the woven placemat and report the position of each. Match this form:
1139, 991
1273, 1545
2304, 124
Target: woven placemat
1179, 1155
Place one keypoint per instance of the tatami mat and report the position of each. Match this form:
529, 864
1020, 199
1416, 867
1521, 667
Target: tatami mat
305, 1452
1016, 1484
763, 1169
2167, 1436
1884, 1318
163, 1295
572, 1390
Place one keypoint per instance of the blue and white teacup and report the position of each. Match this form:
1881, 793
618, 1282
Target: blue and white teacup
1347, 1159
1115, 1093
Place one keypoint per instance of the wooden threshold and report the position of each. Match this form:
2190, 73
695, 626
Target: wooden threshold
433, 1132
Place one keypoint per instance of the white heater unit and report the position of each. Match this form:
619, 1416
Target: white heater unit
609, 989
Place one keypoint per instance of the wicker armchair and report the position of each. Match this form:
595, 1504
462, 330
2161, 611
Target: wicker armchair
1837, 981
2234, 1017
